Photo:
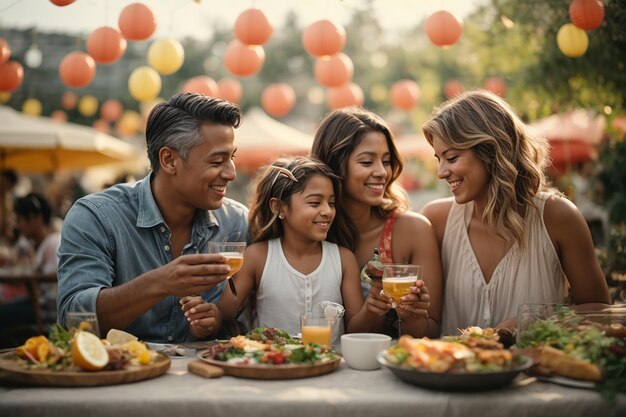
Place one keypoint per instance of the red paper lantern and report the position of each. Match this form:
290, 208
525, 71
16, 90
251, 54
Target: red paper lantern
453, 88
495, 85
77, 69
69, 100
243, 60
11, 75
137, 22
111, 110
334, 70
586, 14
5, 50
324, 38
59, 116
202, 85
62, 3
443, 28
106, 45
229, 89
278, 99
253, 28
345, 95
404, 94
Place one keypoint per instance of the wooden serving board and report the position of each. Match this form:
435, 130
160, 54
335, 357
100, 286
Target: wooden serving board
11, 370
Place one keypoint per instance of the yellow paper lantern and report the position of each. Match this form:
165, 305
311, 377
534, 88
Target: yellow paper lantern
31, 107
144, 83
166, 56
5, 96
129, 123
573, 42
88, 105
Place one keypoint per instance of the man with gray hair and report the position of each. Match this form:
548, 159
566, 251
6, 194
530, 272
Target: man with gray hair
137, 255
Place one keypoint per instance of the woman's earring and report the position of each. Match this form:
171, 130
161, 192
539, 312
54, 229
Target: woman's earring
280, 216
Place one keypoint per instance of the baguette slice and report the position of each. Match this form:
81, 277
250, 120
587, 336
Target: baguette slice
568, 366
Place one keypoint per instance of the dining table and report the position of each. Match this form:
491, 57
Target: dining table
345, 392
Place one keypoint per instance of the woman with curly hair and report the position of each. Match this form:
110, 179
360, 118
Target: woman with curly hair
506, 238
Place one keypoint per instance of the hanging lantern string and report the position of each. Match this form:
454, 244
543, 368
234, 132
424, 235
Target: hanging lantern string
9, 6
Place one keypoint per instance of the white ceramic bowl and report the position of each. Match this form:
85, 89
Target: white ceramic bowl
360, 349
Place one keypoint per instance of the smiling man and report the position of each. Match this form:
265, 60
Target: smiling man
136, 254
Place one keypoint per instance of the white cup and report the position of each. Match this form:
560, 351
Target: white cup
360, 349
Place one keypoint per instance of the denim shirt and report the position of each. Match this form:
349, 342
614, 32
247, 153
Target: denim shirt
111, 237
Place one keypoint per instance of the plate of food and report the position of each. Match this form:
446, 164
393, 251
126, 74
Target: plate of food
474, 361
79, 358
270, 353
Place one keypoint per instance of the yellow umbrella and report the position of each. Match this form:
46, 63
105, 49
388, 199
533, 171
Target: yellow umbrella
38, 144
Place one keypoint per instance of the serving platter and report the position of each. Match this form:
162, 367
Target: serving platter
12, 370
283, 371
466, 381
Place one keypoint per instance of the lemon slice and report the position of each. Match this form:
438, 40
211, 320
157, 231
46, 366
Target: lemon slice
88, 352
119, 337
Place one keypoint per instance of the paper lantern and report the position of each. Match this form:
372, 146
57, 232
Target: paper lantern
404, 94
11, 75
106, 45
5, 51
443, 28
5, 97
229, 89
111, 110
145, 107
278, 99
334, 70
144, 83
77, 69
323, 38
202, 85
137, 22
31, 107
128, 124
345, 95
33, 57
59, 116
573, 42
88, 105
102, 126
69, 100
253, 28
243, 60
62, 3
166, 56
453, 88
586, 14
495, 85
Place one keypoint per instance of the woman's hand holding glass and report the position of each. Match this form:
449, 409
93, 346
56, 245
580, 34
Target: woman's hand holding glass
404, 290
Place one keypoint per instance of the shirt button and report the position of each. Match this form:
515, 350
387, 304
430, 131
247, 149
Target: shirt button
170, 338
166, 247
162, 229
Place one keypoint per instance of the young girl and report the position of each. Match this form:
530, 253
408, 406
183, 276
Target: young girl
290, 265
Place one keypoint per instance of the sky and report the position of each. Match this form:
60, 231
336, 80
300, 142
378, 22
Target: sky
195, 18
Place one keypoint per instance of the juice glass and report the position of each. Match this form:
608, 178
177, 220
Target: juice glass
397, 282
316, 328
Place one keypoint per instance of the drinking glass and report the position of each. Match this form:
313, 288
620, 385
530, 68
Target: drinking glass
528, 314
397, 282
232, 251
87, 321
316, 328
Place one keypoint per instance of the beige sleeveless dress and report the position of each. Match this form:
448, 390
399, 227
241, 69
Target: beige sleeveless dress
534, 276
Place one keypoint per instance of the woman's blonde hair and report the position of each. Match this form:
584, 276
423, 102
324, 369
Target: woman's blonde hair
338, 134
514, 159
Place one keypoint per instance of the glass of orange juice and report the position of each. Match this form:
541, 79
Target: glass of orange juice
232, 251
397, 282
316, 328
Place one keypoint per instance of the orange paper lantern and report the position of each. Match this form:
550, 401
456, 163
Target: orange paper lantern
443, 28
201, 85
137, 22
11, 75
5, 51
586, 14
334, 70
323, 38
278, 99
345, 95
453, 88
243, 60
69, 100
77, 69
59, 116
253, 28
404, 94
62, 3
106, 45
495, 85
229, 89
111, 110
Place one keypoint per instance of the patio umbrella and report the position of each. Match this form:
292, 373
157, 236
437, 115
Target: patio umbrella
38, 144
261, 139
